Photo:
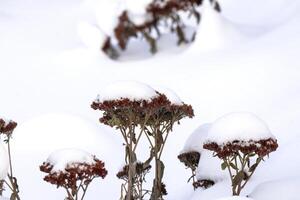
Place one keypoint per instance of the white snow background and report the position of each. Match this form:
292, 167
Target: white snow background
49, 76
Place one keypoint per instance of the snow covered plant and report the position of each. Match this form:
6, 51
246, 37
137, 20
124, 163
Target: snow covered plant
137, 109
6, 130
242, 141
128, 106
73, 170
148, 19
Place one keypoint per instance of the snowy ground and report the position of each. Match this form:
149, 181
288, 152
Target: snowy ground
49, 79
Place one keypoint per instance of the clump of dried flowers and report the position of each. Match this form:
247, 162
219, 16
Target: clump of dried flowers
75, 178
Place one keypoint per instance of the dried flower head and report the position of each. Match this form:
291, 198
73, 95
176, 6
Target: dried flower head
140, 168
203, 183
261, 147
190, 159
124, 111
7, 127
75, 176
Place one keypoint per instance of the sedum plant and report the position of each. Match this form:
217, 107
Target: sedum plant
129, 107
156, 17
242, 141
73, 170
157, 131
6, 130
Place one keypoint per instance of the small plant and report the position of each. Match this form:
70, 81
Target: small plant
191, 160
242, 141
73, 170
159, 15
6, 130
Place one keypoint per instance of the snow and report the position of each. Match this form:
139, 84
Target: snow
196, 139
48, 69
221, 32
132, 90
64, 158
209, 168
91, 35
276, 190
170, 94
4, 163
235, 198
242, 126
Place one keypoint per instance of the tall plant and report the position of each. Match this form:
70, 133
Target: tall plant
157, 131
131, 117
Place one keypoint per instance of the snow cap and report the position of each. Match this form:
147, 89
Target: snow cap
132, 90
170, 94
242, 126
63, 158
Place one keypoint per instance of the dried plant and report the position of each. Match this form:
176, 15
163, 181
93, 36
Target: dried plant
6, 130
241, 158
191, 160
130, 118
161, 14
75, 178
204, 183
157, 131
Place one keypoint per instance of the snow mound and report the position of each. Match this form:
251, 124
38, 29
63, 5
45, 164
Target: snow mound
134, 91
209, 168
215, 32
61, 159
4, 164
170, 94
241, 126
91, 36
235, 198
196, 139
287, 189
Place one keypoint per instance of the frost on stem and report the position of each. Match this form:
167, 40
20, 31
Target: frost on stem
76, 174
242, 155
6, 130
158, 16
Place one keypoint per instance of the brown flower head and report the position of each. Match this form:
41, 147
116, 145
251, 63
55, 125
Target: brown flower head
7, 127
261, 147
203, 183
74, 173
190, 159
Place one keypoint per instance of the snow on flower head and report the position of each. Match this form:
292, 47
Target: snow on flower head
61, 159
132, 90
242, 126
4, 164
170, 94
